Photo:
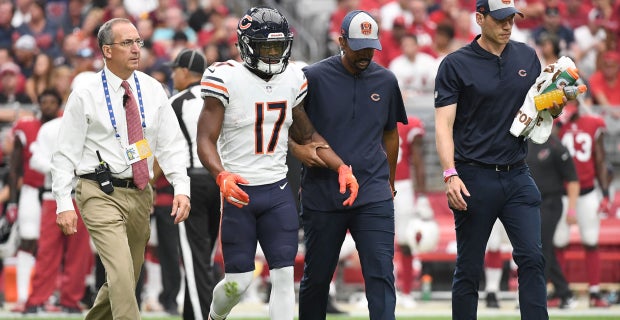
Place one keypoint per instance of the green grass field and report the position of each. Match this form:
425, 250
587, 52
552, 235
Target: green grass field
567, 317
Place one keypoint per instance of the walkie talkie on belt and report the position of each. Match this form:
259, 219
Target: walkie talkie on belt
104, 176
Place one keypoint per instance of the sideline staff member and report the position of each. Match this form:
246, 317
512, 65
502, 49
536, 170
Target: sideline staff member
478, 91
95, 123
354, 104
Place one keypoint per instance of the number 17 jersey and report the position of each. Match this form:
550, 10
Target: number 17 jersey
254, 138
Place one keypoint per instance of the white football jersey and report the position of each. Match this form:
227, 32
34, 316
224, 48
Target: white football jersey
258, 113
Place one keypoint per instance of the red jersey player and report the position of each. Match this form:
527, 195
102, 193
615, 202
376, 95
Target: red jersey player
411, 215
583, 134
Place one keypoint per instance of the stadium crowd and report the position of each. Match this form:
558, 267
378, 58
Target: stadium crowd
46, 46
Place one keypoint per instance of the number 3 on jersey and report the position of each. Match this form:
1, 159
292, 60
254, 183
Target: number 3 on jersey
264, 119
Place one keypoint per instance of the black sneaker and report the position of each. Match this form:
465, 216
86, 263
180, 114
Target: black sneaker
71, 310
492, 301
33, 309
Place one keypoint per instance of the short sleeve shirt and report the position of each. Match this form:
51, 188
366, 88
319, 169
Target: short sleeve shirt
351, 113
488, 91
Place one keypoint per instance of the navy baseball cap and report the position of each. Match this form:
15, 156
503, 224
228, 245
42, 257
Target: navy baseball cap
360, 30
498, 9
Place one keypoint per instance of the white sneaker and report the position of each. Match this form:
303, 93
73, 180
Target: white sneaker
405, 300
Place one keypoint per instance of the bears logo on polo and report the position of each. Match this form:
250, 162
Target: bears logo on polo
366, 28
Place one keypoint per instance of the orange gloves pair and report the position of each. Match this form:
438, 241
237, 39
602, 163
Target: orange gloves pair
227, 181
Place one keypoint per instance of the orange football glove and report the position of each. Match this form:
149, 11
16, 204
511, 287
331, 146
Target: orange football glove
230, 190
347, 180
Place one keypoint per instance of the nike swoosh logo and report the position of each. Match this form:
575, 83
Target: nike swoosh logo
283, 186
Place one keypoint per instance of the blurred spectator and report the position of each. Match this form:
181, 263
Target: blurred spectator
41, 78
447, 13
74, 15
422, 27
335, 21
443, 43
574, 16
115, 9
391, 43
548, 49
9, 73
140, 9
21, 14
415, 72
145, 29
175, 21
216, 28
464, 27
6, 29
47, 35
84, 60
605, 83
589, 43
61, 81
25, 50
393, 9
552, 24
532, 10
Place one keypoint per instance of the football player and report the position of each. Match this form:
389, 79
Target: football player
583, 136
411, 209
243, 132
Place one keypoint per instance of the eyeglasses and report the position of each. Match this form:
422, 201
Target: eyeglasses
129, 43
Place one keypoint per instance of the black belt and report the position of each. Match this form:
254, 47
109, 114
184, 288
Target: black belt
497, 167
119, 183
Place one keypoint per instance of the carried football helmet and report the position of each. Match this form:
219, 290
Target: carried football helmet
264, 40
423, 235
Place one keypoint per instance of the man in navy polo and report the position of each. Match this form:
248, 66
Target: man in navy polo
478, 91
354, 104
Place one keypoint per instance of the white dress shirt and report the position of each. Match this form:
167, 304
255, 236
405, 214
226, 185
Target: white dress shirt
87, 128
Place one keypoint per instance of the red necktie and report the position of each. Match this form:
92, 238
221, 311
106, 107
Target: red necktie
134, 130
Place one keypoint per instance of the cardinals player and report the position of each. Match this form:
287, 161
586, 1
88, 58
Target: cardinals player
583, 136
407, 208
24, 204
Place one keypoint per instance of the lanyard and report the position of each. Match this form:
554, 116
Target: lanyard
109, 103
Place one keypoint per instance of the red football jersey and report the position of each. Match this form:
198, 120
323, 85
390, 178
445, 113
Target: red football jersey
579, 137
407, 132
26, 129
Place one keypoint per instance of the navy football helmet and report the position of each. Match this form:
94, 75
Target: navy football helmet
264, 40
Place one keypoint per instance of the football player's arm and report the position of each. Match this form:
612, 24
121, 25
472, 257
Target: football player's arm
16, 167
305, 143
417, 162
391, 142
210, 123
601, 163
444, 139
303, 136
208, 131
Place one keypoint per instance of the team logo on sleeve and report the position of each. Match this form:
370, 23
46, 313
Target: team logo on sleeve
375, 97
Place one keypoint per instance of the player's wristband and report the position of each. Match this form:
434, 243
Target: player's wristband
605, 193
571, 212
449, 173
